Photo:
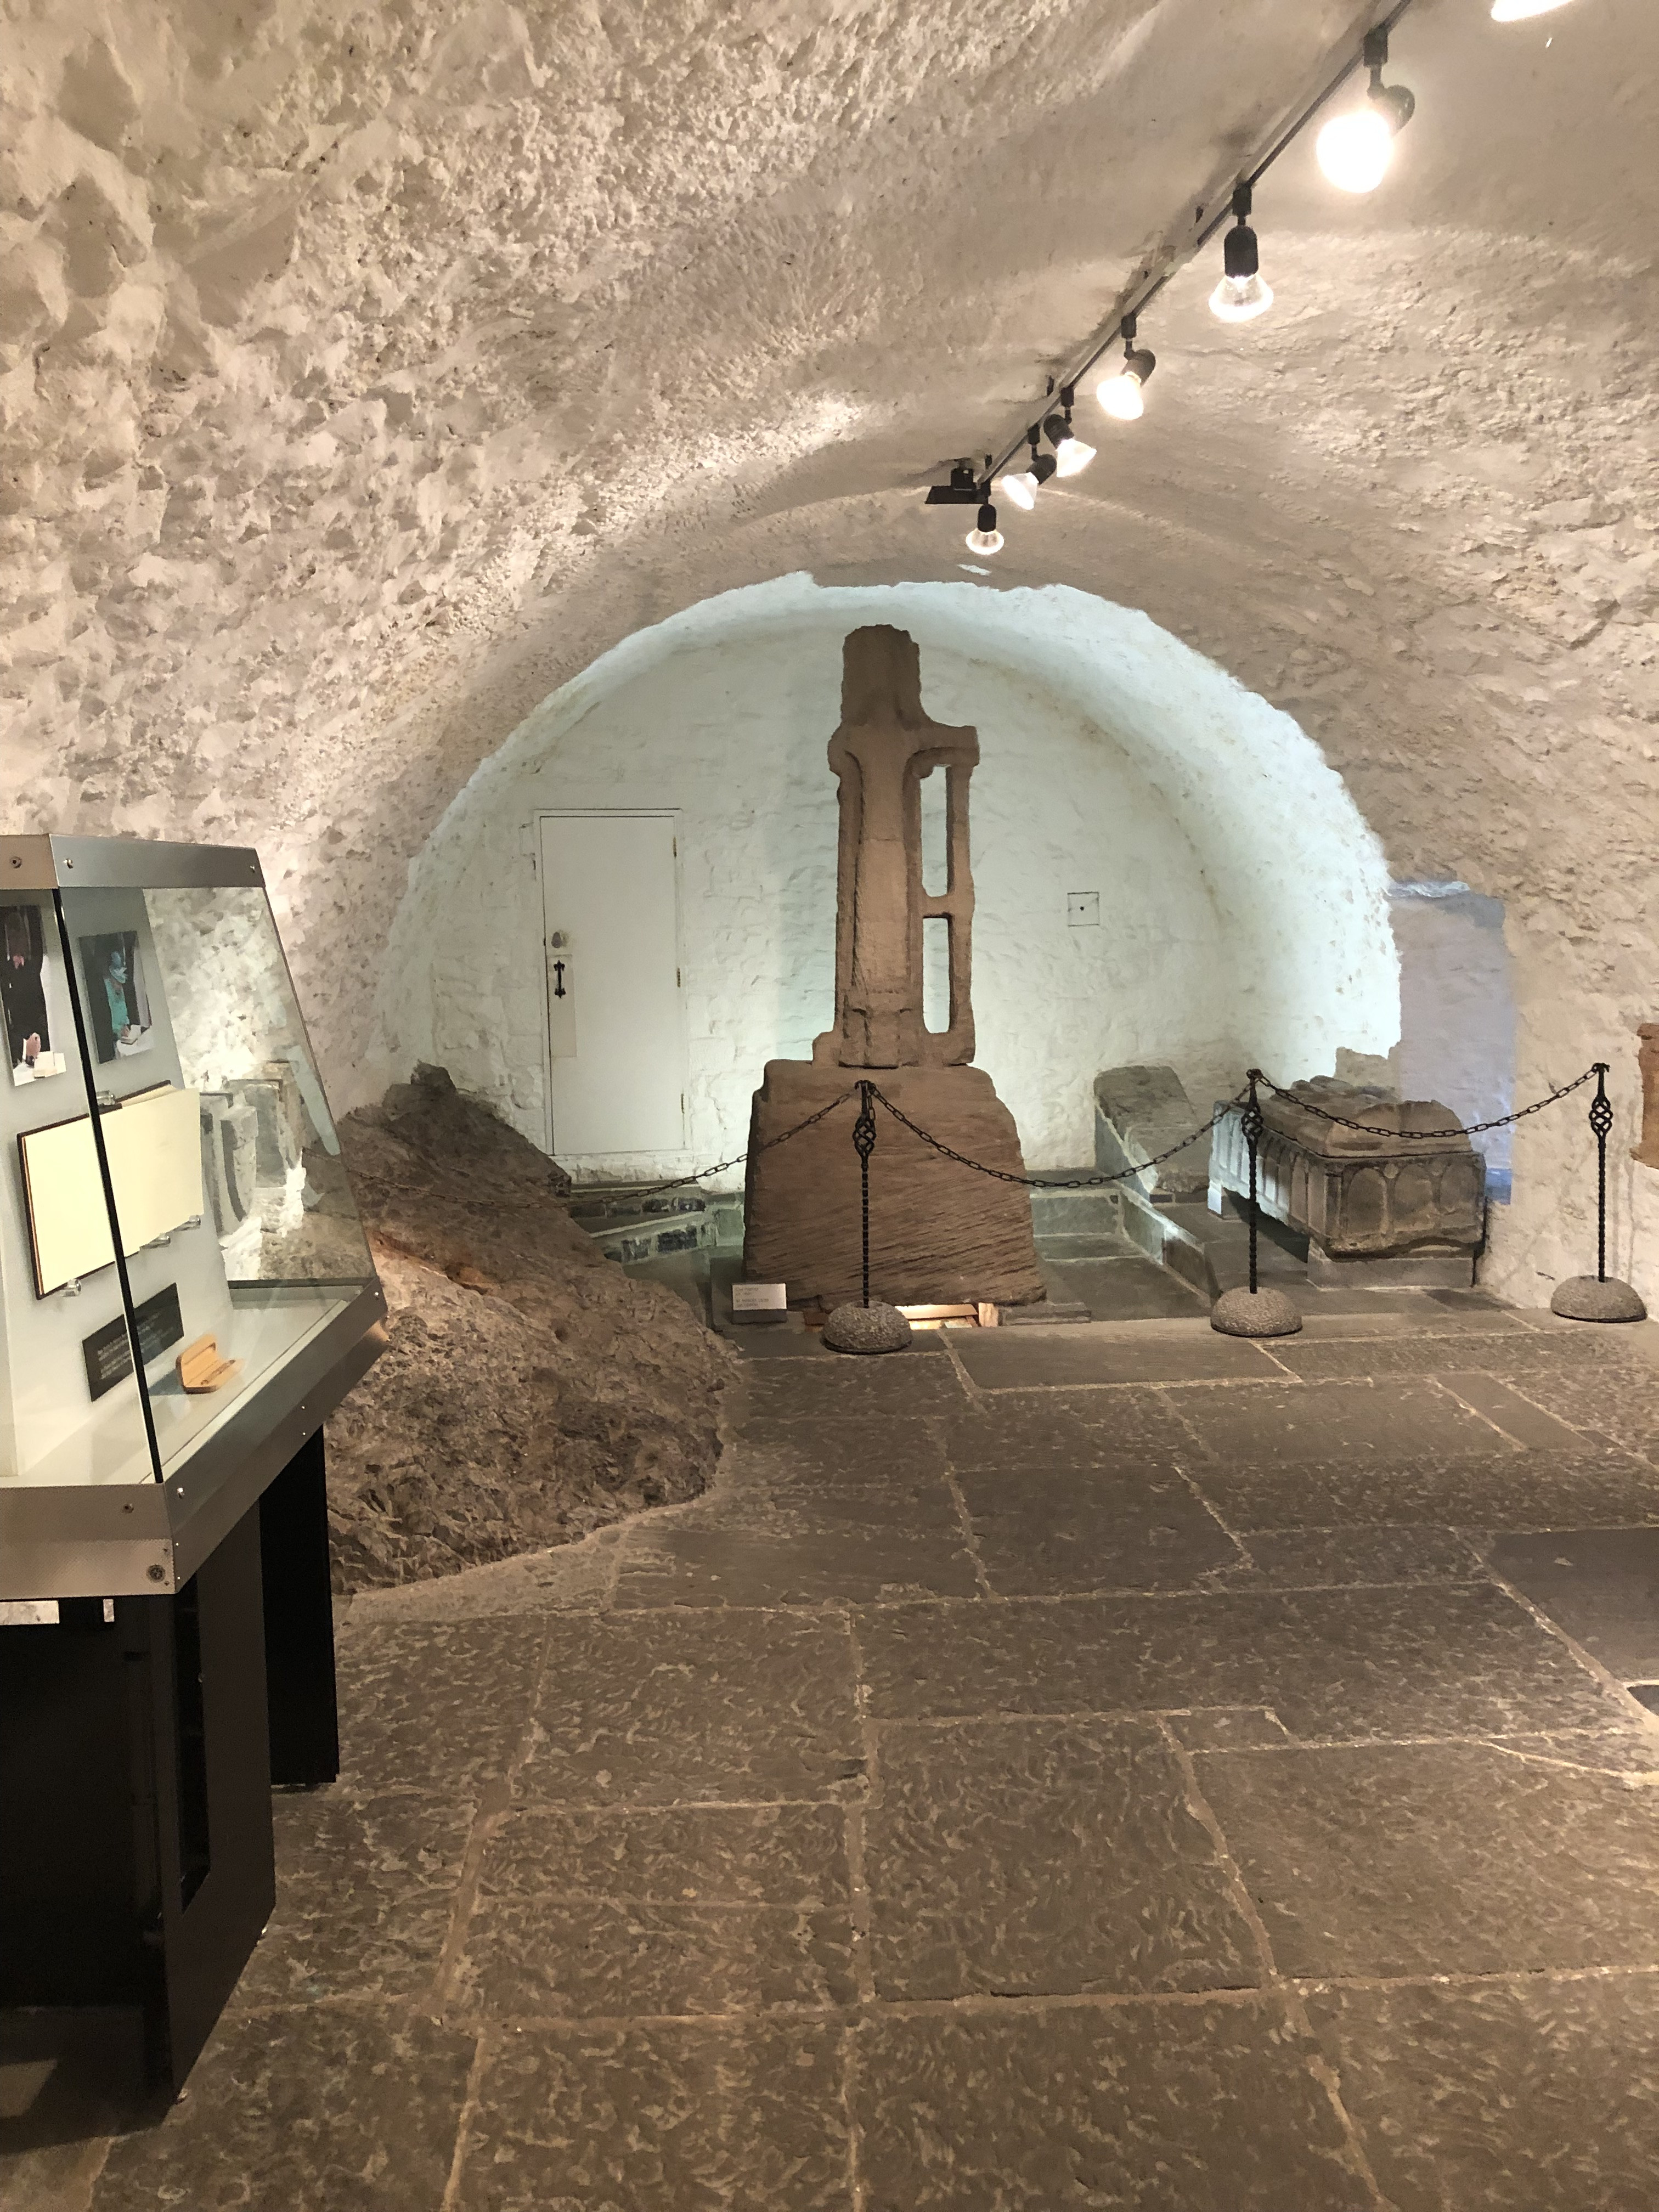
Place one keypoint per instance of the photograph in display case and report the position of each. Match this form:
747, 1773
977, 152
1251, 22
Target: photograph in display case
153, 1145
116, 1000
23, 996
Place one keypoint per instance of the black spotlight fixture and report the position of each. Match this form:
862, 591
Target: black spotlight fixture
1354, 149
1023, 485
985, 537
1071, 456
1243, 293
1120, 392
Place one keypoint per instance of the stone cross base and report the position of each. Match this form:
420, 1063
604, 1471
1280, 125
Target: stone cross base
938, 1233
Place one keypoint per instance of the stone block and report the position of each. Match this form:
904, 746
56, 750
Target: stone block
939, 1232
1360, 1193
1140, 1112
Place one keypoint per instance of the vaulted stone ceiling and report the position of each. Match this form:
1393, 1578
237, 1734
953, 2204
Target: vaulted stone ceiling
369, 369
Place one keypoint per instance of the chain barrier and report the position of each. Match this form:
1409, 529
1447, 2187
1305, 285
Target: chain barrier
678, 1183
1054, 1182
1419, 1136
1253, 1125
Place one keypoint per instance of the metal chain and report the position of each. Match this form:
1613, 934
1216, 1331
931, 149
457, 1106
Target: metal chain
1461, 1129
1051, 1183
677, 1182
869, 1090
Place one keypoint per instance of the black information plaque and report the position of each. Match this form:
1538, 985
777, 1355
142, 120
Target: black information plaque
106, 1352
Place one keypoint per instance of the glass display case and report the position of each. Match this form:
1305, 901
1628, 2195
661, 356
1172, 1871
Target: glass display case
185, 1288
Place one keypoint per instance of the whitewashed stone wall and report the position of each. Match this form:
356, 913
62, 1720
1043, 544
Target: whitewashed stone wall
1243, 900
365, 375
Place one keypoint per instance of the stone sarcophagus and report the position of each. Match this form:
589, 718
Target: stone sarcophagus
937, 1231
1360, 1194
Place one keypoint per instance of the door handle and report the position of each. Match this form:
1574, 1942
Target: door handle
558, 979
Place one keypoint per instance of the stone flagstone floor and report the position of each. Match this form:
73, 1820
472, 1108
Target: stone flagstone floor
1109, 1767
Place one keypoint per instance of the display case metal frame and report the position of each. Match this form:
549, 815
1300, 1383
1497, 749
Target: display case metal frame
148, 1539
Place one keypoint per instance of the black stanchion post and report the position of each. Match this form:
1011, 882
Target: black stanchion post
864, 1141
1250, 1122
1599, 1296
1254, 1311
1600, 1122
871, 1326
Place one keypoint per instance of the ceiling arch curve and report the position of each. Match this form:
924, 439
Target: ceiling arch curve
1261, 933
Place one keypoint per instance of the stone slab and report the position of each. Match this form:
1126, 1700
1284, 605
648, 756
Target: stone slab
1364, 1860
1466, 1352
357, 2112
367, 1885
674, 2116
1126, 1287
1601, 1585
1065, 1428
1083, 1529
1399, 1662
440, 1704
715, 1909
1493, 1489
1509, 2097
1324, 1559
806, 1562
1271, 1423
682, 1706
1140, 1112
1106, 1355
939, 1232
1420, 1271
1026, 1859
1159, 2106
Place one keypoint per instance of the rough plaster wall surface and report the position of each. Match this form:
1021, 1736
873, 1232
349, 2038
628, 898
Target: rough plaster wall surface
1243, 906
371, 371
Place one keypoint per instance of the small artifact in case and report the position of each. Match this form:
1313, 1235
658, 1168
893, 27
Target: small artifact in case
201, 1368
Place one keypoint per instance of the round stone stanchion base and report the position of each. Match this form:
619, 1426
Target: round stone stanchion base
874, 1327
1255, 1313
1586, 1298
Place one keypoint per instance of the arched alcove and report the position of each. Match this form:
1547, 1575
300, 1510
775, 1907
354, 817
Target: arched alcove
1242, 900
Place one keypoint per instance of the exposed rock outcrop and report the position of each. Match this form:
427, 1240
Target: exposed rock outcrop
531, 1391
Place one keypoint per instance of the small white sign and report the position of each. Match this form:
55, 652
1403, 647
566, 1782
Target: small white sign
759, 1298
32, 1613
1082, 909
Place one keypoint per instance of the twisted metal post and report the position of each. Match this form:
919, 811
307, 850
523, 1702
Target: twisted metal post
864, 1142
1252, 1123
1600, 1122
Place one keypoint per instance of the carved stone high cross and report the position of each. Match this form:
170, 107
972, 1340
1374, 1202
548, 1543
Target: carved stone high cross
885, 745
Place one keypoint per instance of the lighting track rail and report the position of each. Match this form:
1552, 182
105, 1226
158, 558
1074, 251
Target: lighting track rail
1353, 152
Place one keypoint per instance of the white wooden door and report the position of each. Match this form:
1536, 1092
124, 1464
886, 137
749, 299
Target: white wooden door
610, 938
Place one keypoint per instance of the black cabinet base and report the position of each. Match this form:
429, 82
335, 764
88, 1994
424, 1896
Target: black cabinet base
135, 1765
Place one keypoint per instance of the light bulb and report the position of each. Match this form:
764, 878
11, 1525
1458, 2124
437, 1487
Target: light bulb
1071, 456
1241, 298
1516, 11
1021, 488
987, 539
1119, 396
1354, 150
